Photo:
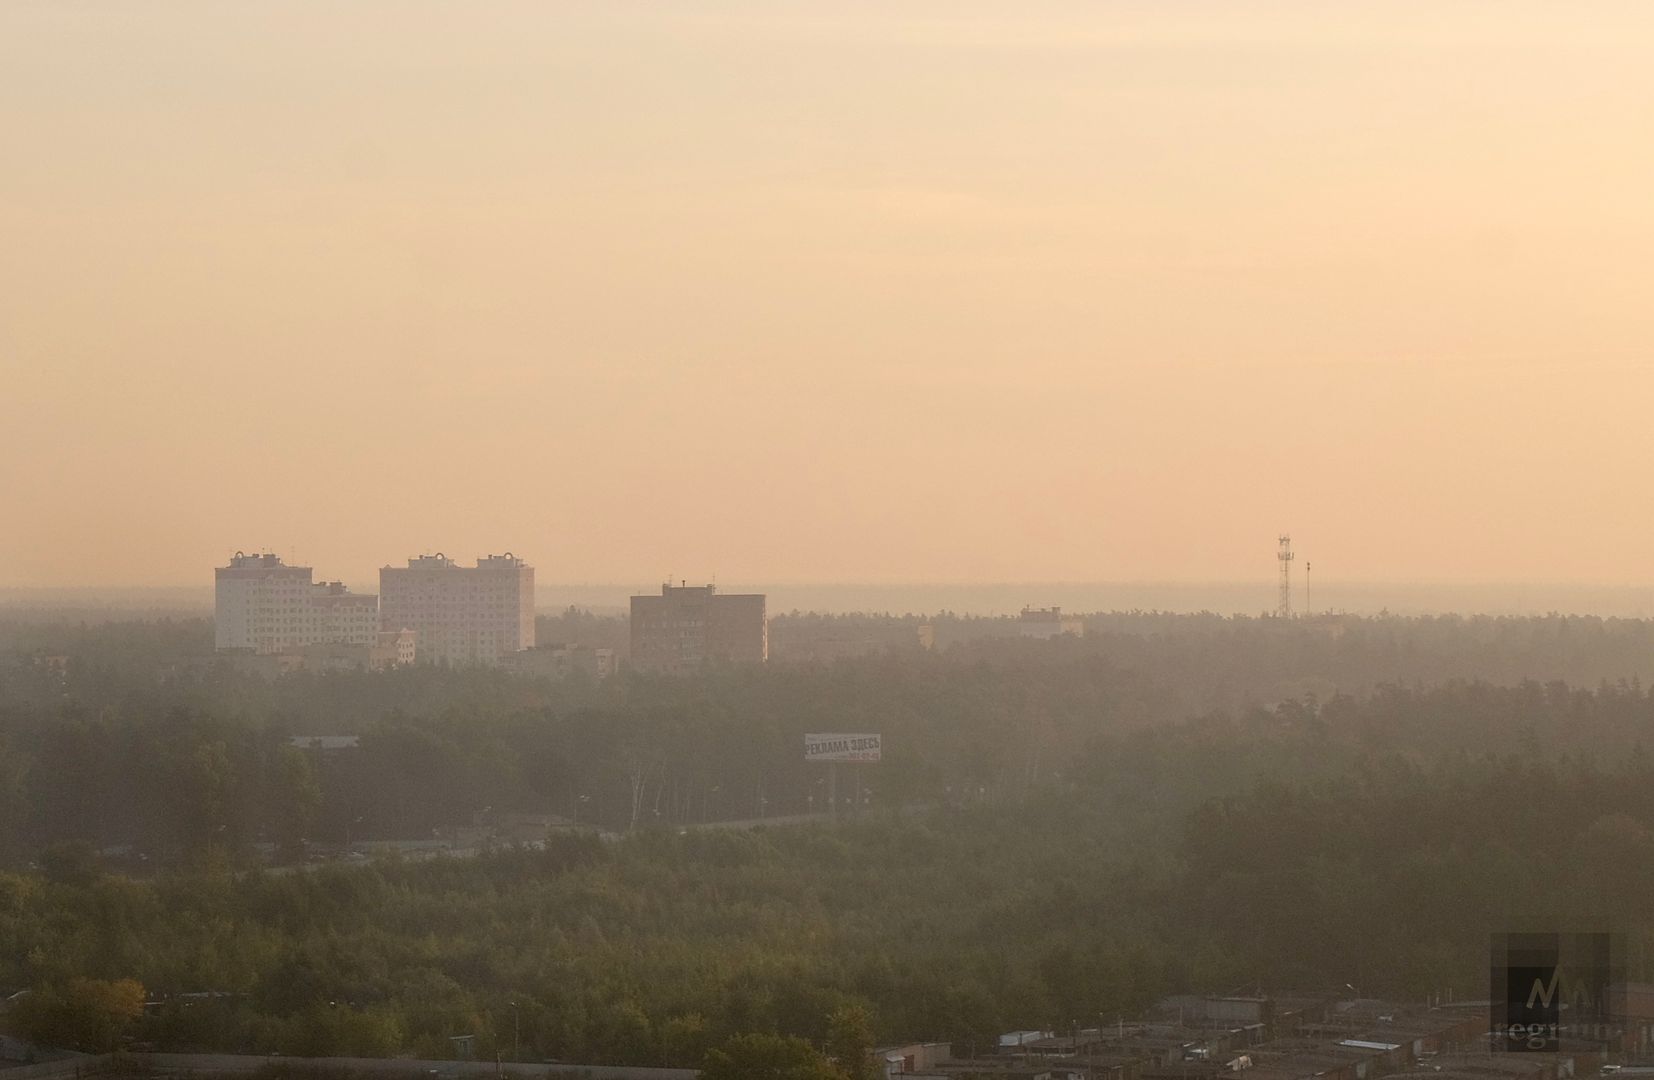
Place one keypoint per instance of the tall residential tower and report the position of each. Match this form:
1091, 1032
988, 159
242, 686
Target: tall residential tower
262, 604
461, 614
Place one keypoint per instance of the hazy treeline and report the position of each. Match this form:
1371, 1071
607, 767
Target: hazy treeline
144, 738
1216, 661
1275, 849
1055, 836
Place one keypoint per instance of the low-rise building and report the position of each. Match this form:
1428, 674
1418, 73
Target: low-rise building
1049, 622
913, 1058
391, 649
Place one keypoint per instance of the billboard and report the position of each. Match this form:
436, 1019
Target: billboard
840, 747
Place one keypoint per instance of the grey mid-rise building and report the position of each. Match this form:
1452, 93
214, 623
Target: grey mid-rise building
688, 625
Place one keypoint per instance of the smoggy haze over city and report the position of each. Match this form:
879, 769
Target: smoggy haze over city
824, 292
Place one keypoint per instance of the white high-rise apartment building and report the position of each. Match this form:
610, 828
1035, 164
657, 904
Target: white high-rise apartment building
461, 614
262, 604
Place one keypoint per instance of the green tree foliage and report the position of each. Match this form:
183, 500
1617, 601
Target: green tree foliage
188, 754
768, 1057
13, 800
958, 923
80, 1014
295, 801
1057, 834
850, 1041
70, 862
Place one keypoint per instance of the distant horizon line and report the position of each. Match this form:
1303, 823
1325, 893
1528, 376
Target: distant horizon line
1137, 583
988, 599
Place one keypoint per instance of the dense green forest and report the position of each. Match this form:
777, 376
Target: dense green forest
142, 738
1056, 835
1074, 903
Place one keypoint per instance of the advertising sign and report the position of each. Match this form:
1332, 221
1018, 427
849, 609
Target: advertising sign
841, 747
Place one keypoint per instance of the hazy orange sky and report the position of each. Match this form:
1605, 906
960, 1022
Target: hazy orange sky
828, 291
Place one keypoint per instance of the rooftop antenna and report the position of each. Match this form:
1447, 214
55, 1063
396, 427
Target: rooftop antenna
1307, 609
1284, 607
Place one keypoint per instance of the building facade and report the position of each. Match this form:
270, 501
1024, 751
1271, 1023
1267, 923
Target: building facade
558, 661
392, 649
344, 616
460, 614
262, 605
1049, 623
688, 625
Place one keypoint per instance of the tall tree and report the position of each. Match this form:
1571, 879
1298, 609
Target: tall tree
82, 1014
768, 1057
296, 793
850, 1041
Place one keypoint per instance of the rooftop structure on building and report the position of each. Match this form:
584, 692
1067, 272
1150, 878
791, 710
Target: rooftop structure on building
1211, 1037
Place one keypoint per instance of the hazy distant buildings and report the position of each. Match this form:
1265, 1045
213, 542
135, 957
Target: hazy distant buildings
461, 614
824, 639
396, 648
687, 625
344, 617
1049, 623
263, 605
560, 661
391, 648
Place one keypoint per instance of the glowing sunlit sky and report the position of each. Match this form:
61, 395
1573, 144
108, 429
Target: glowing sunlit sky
828, 291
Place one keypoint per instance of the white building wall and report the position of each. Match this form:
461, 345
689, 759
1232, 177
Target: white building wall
460, 614
262, 604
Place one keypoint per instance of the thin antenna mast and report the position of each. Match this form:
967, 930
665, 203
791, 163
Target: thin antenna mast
1284, 555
